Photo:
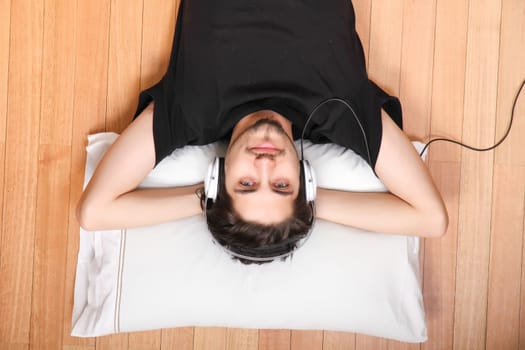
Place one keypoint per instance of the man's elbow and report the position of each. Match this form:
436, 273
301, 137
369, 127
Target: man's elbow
437, 223
88, 215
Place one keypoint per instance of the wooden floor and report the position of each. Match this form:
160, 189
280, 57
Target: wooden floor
69, 68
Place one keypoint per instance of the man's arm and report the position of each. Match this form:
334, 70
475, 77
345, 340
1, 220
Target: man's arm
111, 200
413, 205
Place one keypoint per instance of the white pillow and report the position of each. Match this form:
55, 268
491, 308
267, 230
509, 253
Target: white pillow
172, 275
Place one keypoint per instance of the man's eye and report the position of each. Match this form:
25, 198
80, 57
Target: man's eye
281, 185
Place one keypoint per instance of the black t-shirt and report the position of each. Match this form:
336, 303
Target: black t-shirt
234, 57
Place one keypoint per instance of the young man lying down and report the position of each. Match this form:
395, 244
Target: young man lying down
260, 74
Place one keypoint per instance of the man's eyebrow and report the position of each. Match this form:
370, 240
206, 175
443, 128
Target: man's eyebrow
281, 193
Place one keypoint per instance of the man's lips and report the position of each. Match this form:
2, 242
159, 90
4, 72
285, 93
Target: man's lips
265, 150
266, 147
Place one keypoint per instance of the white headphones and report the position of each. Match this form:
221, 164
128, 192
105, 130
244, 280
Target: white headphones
215, 169
211, 190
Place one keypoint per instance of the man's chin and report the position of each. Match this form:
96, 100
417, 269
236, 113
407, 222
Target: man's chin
264, 130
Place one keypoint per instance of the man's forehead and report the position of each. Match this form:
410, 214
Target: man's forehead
263, 208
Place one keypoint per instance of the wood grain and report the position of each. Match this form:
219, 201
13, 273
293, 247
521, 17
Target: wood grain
362, 9
125, 43
508, 207
70, 68
366, 342
449, 77
50, 246
247, 339
439, 283
125, 50
89, 111
446, 120
5, 23
386, 30
14, 346
113, 342
149, 340
177, 338
338, 341
53, 175
158, 30
384, 67
522, 303
476, 176
21, 170
398, 345
274, 339
503, 314
417, 66
209, 338
511, 73
311, 340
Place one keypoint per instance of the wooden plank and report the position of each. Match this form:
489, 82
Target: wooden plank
419, 19
113, 342
306, 340
397, 345
58, 77
338, 341
446, 120
14, 346
522, 303
123, 87
149, 340
362, 9
366, 342
503, 314
439, 283
158, 29
416, 82
136, 32
511, 74
50, 246
125, 44
209, 338
242, 339
177, 338
53, 176
5, 23
21, 162
91, 52
476, 175
274, 339
384, 67
386, 28
78, 347
450, 51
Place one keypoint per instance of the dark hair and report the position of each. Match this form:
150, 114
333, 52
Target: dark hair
230, 230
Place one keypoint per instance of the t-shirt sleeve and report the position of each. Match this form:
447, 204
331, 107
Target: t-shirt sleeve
168, 133
372, 100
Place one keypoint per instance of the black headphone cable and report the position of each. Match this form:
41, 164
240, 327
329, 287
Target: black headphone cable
482, 149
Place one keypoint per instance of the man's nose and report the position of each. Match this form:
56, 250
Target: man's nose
265, 161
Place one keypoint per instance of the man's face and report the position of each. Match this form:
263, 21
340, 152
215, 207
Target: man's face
262, 173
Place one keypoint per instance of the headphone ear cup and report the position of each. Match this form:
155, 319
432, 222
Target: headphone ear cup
310, 181
211, 182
